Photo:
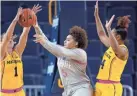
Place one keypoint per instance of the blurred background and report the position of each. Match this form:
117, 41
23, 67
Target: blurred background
41, 77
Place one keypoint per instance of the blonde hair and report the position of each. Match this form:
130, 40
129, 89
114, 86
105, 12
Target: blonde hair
3, 34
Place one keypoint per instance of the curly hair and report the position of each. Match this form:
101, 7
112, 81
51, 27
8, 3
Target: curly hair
122, 26
79, 36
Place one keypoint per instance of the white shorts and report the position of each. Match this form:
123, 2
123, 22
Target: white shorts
80, 90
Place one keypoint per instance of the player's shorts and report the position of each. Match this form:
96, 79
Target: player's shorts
105, 88
13, 92
79, 90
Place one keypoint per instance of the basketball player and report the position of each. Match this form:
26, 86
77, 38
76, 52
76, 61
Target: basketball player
115, 57
72, 60
10, 59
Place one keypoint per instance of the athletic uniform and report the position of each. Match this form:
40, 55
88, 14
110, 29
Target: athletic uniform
72, 69
12, 76
108, 78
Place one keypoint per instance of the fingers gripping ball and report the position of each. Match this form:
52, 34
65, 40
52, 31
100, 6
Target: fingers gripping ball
27, 18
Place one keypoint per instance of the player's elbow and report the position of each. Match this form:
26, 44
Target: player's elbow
101, 33
102, 36
104, 40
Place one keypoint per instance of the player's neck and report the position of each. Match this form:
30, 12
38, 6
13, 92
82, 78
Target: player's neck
120, 42
9, 51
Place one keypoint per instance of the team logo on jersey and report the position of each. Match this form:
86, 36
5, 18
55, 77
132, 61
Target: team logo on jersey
14, 56
110, 52
65, 63
107, 54
12, 61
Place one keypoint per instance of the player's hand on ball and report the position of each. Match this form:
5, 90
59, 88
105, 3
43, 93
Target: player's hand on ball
18, 13
36, 8
39, 38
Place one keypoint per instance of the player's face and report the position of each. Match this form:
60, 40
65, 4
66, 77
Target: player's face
70, 42
115, 35
11, 44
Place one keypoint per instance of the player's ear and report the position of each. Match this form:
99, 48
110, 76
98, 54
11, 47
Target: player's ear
118, 37
76, 43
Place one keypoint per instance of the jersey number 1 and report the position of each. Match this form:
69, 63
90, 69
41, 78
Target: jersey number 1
16, 71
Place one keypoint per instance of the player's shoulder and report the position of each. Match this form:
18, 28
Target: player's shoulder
124, 47
81, 51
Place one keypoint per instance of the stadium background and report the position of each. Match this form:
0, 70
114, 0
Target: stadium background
40, 67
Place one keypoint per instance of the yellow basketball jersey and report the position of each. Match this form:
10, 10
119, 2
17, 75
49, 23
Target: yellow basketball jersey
112, 67
12, 72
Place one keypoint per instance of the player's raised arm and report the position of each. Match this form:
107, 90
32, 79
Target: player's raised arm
100, 29
120, 51
24, 36
57, 50
22, 41
9, 34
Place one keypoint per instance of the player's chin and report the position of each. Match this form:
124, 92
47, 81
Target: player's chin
10, 47
65, 46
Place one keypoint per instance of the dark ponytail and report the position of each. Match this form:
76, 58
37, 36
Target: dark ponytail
122, 26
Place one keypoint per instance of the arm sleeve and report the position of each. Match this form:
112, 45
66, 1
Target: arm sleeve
60, 51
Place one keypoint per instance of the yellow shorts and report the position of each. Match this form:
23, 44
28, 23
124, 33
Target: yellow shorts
102, 89
20, 93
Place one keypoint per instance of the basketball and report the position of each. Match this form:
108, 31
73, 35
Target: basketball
27, 18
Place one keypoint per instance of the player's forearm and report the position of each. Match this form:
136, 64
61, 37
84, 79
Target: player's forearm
39, 31
22, 41
24, 35
101, 31
51, 47
113, 42
10, 29
60, 51
99, 26
55, 49
7, 37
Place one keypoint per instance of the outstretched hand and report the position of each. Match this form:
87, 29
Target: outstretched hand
96, 9
20, 11
108, 24
36, 8
39, 38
